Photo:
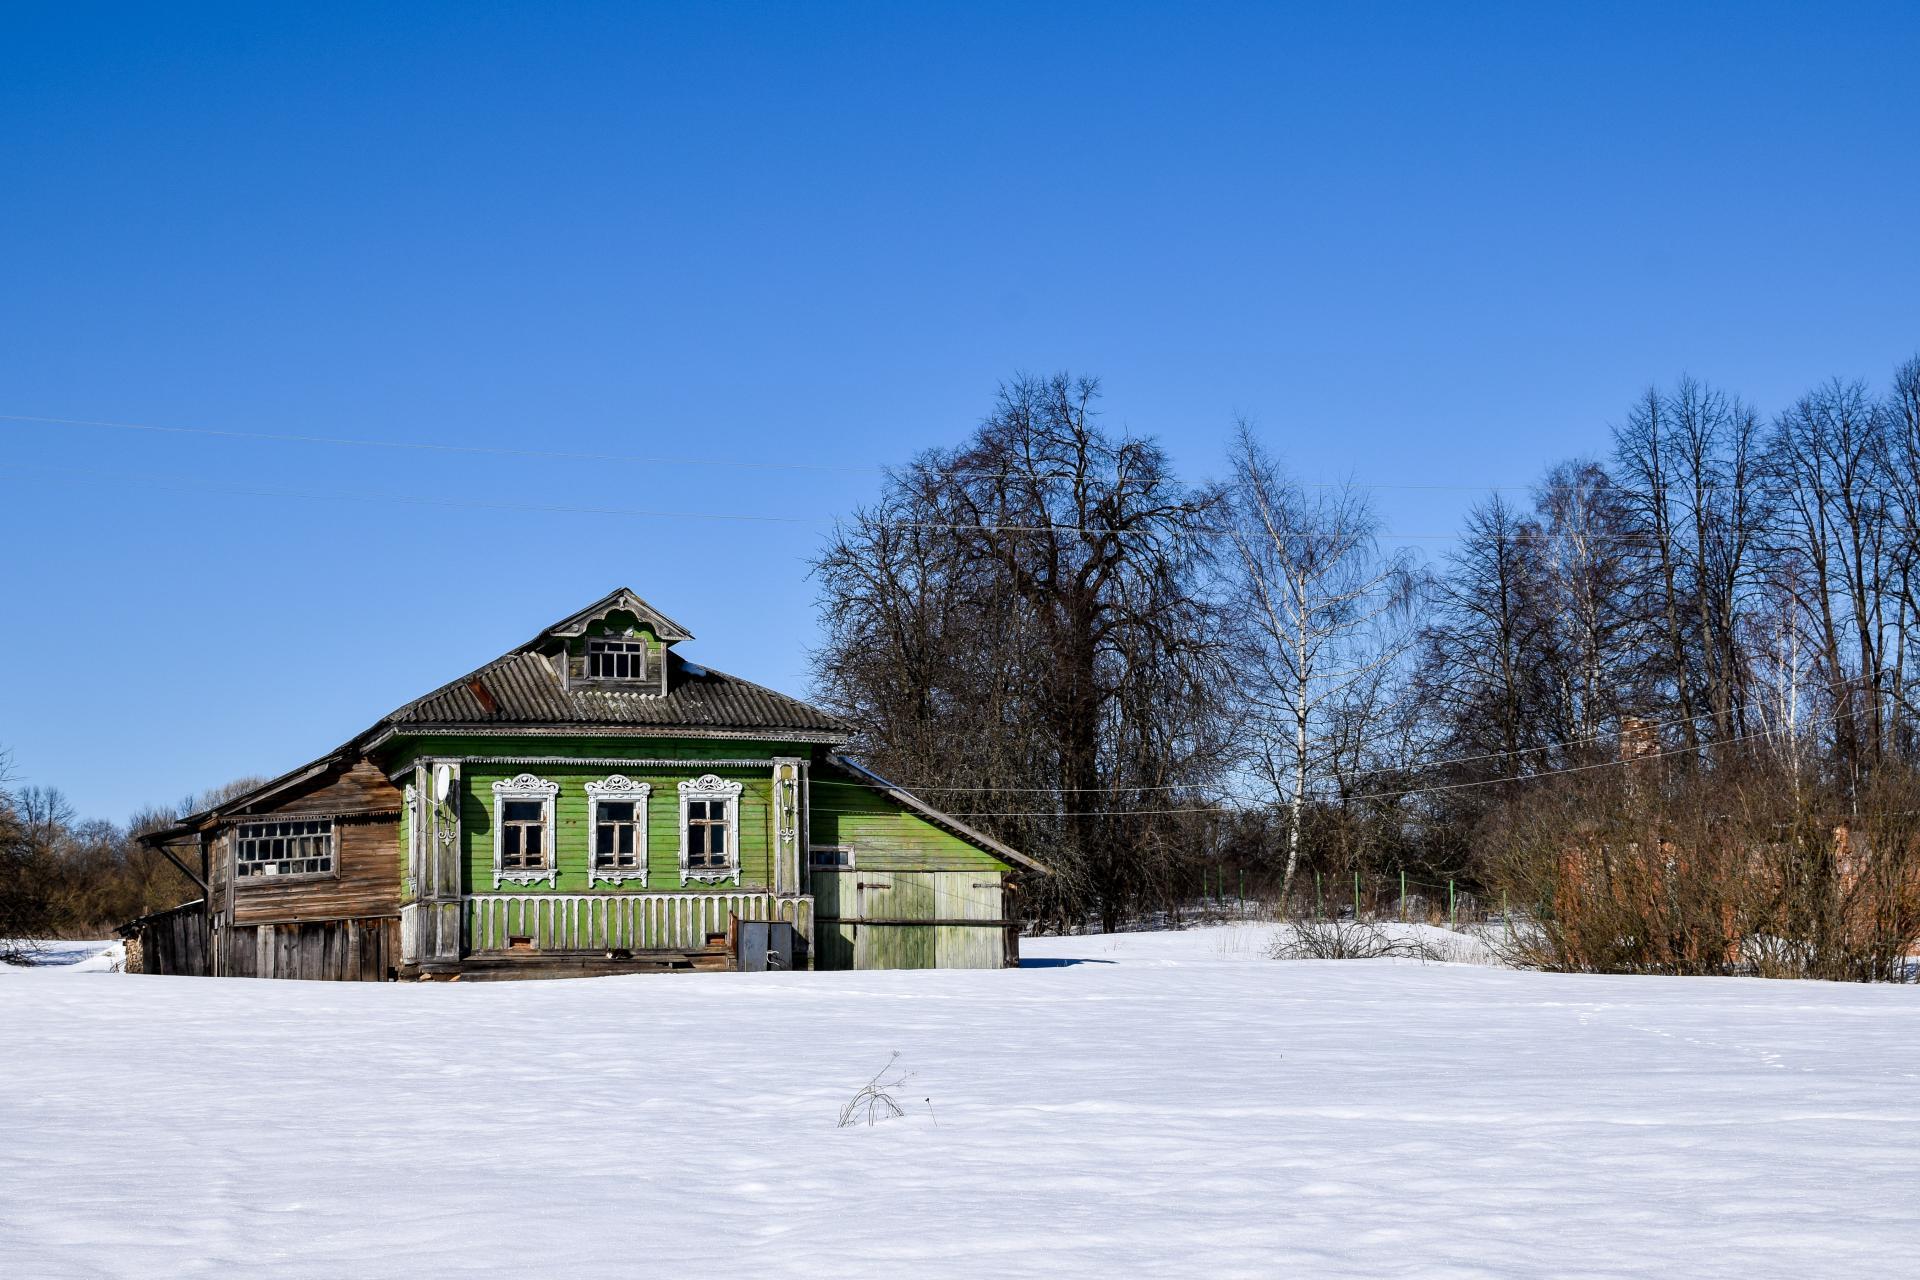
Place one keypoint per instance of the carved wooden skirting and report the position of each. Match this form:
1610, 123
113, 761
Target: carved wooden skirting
620, 921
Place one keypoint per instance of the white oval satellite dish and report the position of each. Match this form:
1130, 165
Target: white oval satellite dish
442, 782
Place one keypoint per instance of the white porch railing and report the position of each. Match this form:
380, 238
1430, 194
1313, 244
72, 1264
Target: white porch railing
624, 921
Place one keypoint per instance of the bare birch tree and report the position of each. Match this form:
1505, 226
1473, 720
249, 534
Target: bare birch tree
1318, 607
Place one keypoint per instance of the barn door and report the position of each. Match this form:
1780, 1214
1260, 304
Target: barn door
895, 910
969, 895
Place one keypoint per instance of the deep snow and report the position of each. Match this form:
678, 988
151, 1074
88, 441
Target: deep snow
1146, 1104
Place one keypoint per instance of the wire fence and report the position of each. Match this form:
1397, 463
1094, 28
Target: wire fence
1235, 893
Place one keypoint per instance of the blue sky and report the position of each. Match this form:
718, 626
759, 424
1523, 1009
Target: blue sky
1419, 246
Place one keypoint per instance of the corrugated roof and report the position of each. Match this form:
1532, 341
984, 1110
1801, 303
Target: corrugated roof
523, 688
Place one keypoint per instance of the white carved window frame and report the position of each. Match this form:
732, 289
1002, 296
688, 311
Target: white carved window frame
712, 787
525, 786
619, 789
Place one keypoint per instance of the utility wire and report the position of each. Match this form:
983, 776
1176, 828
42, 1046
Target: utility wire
1398, 794
574, 456
177, 485
1644, 726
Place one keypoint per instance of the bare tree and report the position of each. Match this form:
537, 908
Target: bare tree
1023, 615
1321, 616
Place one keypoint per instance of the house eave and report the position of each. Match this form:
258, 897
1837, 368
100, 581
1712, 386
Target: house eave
494, 730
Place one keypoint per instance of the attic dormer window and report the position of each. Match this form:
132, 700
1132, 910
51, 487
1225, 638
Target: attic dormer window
616, 660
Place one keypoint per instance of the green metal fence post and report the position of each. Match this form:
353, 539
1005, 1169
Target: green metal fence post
1356, 895
1403, 895
1243, 891
1452, 916
1319, 908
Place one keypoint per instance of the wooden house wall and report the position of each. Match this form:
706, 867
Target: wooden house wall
572, 840
177, 942
353, 950
885, 836
366, 877
873, 919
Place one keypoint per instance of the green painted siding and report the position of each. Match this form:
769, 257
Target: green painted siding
886, 837
571, 839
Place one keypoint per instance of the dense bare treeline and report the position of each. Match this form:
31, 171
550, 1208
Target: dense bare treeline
64, 876
1147, 680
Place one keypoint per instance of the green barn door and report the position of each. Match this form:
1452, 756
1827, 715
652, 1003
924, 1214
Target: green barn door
897, 902
908, 919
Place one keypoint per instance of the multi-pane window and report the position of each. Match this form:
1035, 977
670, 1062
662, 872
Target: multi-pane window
295, 847
523, 835
707, 839
830, 857
616, 660
616, 835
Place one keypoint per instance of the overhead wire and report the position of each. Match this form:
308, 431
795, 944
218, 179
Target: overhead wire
567, 455
1401, 793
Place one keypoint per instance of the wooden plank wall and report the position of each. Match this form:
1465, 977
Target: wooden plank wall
177, 942
884, 836
875, 919
355, 950
633, 922
365, 808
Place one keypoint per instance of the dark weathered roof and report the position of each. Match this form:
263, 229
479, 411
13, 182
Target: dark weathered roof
523, 688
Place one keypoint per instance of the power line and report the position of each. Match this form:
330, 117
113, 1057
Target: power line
1645, 726
1399, 794
174, 484
563, 455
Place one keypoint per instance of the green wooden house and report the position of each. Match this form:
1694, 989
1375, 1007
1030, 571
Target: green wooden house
591, 802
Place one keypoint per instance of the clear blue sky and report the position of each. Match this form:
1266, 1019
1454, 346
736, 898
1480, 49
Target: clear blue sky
1428, 245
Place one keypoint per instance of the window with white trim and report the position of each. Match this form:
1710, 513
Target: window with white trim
709, 830
523, 831
287, 847
617, 827
830, 857
616, 660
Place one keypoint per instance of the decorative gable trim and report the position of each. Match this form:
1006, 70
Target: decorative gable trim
669, 631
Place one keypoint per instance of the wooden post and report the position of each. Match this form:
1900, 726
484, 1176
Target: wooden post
1356, 897
787, 853
1319, 903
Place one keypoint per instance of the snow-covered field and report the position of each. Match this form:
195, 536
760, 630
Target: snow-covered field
1148, 1104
